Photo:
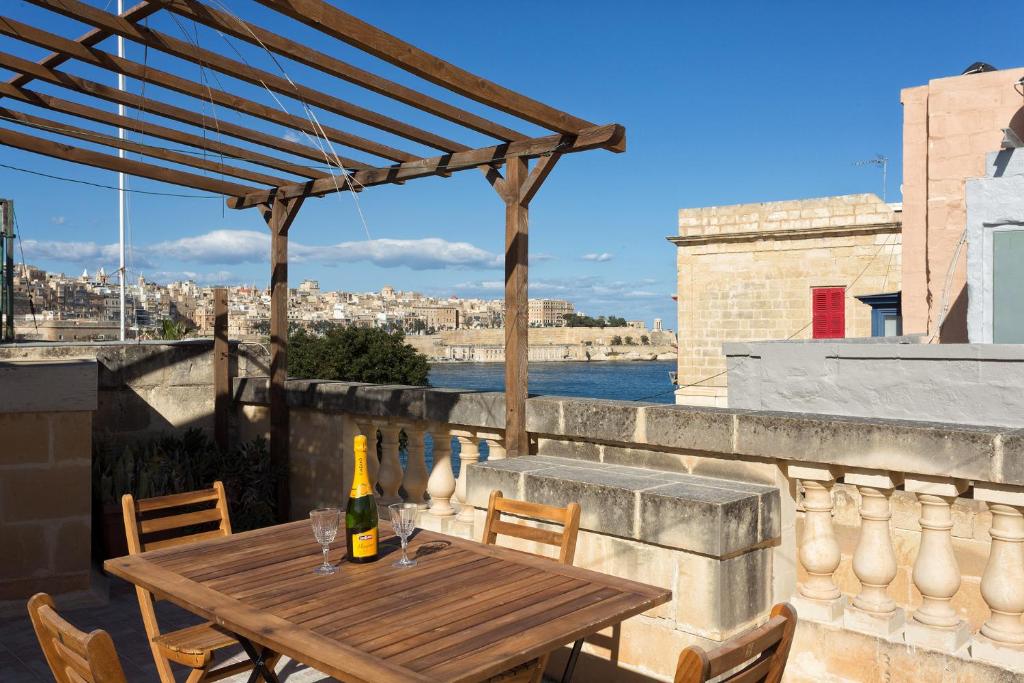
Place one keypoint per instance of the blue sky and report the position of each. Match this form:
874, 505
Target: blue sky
723, 102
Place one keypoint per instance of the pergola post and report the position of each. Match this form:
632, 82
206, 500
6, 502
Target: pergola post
517, 189
279, 215
221, 368
517, 308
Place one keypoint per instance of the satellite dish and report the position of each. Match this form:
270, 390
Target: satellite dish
978, 68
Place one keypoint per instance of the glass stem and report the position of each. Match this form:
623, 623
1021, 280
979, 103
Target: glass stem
405, 544
326, 562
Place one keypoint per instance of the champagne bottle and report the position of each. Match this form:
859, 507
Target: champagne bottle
361, 513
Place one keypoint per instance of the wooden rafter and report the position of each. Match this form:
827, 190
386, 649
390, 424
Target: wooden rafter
151, 129
89, 55
303, 54
349, 29
87, 157
209, 59
611, 136
147, 150
86, 87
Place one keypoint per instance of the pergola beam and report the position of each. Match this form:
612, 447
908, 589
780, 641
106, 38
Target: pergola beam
148, 150
610, 136
249, 32
86, 87
59, 150
150, 129
236, 69
368, 38
90, 38
30, 34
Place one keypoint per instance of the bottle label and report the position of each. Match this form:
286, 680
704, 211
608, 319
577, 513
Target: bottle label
364, 543
360, 478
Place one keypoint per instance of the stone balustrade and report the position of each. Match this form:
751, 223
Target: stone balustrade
911, 533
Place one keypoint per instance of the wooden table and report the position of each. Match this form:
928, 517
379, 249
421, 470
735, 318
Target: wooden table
466, 611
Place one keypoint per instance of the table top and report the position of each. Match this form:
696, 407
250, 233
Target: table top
465, 612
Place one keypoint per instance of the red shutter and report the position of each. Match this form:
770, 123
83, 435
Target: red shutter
828, 309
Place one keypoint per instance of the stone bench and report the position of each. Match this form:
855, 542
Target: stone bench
707, 539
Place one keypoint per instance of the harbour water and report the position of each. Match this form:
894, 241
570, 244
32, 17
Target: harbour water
620, 380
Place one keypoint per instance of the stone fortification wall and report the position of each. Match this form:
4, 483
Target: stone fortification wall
746, 273
547, 343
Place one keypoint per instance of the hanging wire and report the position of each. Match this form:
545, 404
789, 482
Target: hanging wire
24, 266
109, 187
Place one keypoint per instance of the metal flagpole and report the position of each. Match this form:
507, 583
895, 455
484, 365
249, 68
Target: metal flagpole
121, 178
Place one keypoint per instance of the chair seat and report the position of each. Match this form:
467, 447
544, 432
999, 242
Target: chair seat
194, 643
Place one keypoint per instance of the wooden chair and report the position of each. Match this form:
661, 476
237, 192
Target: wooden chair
74, 656
168, 521
565, 541
767, 645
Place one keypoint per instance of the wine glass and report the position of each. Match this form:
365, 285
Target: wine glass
403, 519
325, 527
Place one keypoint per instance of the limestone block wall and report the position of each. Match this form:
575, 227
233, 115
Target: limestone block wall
546, 343
149, 387
949, 126
46, 414
745, 272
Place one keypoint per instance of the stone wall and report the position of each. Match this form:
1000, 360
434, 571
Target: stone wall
976, 384
146, 388
46, 412
547, 344
746, 272
949, 126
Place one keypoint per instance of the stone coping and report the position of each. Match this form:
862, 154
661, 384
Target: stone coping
869, 350
715, 517
988, 454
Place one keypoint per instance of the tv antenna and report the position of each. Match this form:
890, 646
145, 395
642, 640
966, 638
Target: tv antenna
881, 161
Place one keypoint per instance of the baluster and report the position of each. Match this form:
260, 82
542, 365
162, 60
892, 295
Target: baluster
495, 445
469, 453
415, 480
369, 430
819, 597
935, 623
1002, 585
874, 561
441, 485
390, 475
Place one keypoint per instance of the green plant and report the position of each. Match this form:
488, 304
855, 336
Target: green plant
356, 354
616, 340
645, 340
175, 463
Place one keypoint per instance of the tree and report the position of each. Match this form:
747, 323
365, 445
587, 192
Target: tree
172, 330
645, 340
614, 321
356, 354
616, 340
630, 341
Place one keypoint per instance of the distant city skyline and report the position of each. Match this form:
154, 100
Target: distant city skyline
722, 103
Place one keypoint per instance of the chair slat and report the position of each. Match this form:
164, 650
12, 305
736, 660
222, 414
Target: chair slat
73, 661
181, 540
755, 673
746, 646
73, 656
149, 526
536, 510
528, 533
175, 500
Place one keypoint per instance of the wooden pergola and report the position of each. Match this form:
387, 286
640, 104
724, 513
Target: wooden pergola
276, 176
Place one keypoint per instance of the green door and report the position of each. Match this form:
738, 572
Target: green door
1008, 287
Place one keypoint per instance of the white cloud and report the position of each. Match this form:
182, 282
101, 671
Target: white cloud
541, 256
232, 247
58, 220
291, 136
597, 258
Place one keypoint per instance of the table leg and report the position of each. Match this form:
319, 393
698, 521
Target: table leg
570, 665
259, 662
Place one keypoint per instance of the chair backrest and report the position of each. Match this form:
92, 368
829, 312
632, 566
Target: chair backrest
568, 517
768, 647
74, 656
153, 523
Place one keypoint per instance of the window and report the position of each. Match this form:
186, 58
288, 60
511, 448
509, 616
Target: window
828, 310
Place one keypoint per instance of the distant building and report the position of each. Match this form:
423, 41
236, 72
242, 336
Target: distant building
438, 317
636, 324
657, 325
549, 312
777, 270
311, 286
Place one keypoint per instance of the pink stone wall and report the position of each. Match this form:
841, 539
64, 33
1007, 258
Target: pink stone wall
949, 126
